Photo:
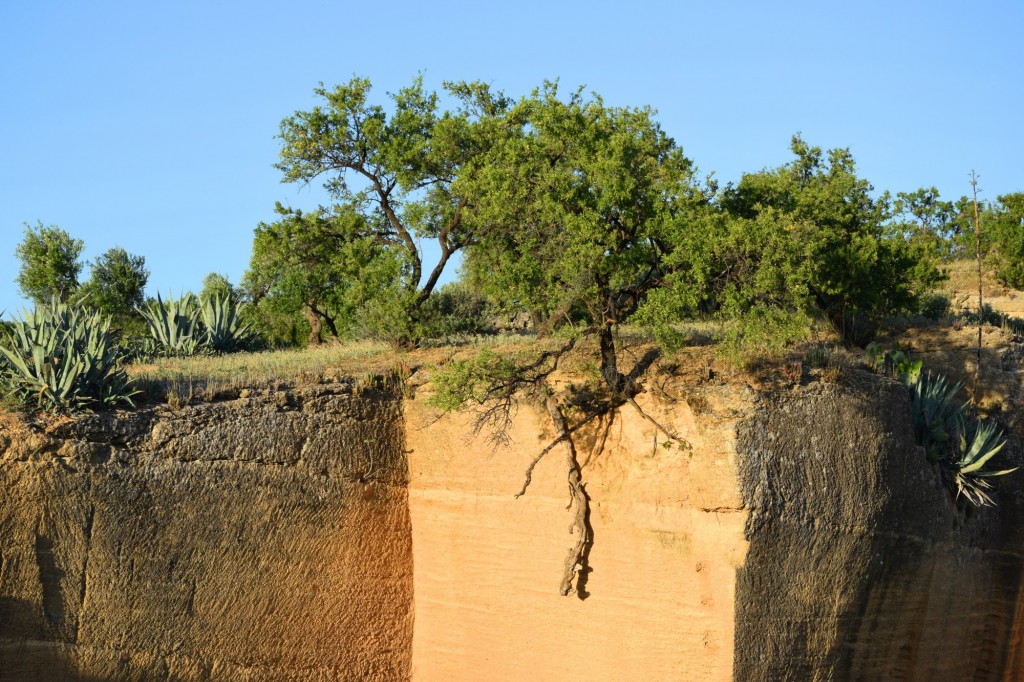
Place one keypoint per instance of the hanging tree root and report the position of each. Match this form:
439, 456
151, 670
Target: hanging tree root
562, 437
574, 577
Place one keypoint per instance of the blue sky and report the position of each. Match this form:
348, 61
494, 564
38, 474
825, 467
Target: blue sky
151, 126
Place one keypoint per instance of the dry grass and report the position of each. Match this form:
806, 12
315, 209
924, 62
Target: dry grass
181, 380
962, 287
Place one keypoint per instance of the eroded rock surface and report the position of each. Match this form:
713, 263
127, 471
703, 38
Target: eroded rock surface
265, 538
860, 565
273, 537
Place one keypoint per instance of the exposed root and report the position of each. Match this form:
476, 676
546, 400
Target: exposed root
550, 446
574, 577
682, 442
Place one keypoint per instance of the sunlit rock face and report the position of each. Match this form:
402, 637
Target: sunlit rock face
265, 538
325, 533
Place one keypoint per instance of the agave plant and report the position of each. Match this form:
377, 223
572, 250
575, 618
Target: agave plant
64, 357
935, 413
895, 363
966, 464
224, 331
174, 325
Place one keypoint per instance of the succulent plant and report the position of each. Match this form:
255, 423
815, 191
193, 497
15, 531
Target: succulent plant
64, 357
935, 413
974, 451
174, 325
224, 331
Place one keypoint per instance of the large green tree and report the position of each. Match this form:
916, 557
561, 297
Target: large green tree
395, 167
573, 203
574, 206
50, 263
811, 238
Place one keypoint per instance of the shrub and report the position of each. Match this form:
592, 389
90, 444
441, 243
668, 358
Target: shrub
764, 333
453, 310
63, 357
936, 306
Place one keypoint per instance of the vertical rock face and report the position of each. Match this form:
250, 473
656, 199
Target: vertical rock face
668, 533
265, 538
860, 565
273, 537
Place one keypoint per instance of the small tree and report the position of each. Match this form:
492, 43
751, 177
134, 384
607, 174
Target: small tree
324, 264
1007, 228
117, 284
218, 285
50, 263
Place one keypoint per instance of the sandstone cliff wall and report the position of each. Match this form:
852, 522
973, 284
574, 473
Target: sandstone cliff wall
805, 539
265, 538
668, 533
298, 534
861, 566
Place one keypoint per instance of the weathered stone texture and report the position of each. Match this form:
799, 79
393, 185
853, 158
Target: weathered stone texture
860, 565
805, 537
264, 538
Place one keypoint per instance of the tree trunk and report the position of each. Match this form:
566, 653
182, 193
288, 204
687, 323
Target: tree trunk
609, 362
315, 326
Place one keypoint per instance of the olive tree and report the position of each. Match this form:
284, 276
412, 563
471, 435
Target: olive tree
50, 263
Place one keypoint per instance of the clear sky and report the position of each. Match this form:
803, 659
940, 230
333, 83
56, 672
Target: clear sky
151, 125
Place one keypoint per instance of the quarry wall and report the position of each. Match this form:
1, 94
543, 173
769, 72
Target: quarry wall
265, 538
324, 533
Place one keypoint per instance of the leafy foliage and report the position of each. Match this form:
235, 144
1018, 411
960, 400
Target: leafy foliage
216, 284
575, 204
394, 176
454, 310
322, 266
810, 237
49, 263
63, 357
1008, 236
117, 284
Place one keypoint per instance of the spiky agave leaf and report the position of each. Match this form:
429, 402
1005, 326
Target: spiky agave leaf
974, 451
61, 357
222, 323
174, 325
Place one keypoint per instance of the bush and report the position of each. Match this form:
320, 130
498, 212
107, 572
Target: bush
936, 306
454, 310
63, 357
764, 333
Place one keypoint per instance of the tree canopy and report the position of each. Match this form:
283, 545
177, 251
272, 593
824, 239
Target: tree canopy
117, 283
324, 265
396, 172
50, 263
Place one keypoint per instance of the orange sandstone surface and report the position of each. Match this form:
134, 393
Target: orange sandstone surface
330, 533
